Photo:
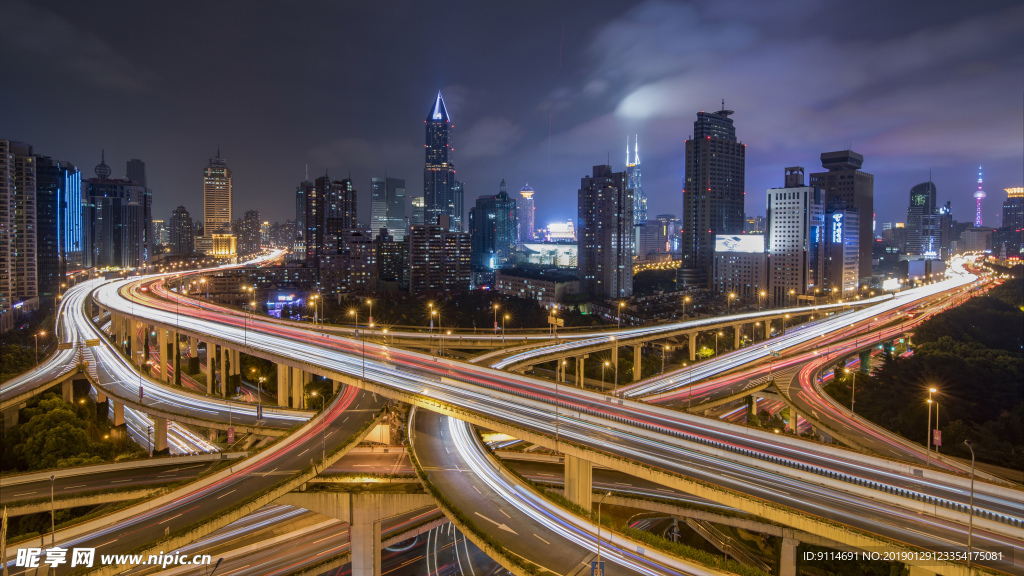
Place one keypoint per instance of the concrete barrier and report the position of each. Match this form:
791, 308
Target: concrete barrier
15, 509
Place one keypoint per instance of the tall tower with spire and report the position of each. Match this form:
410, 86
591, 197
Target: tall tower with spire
525, 214
633, 173
979, 195
439, 185
217, 197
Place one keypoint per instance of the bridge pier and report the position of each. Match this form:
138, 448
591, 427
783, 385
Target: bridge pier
787, 558
637, 357
223, 371
283, 385
692, 345
67, 391
364, 511
118, 413
210, 359
298, 388
159, 433
176, 352
767, 328
10, 417
579, 481
161, 338
737, 330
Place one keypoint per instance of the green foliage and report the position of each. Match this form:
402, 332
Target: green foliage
55, 434
15, 359
972, 355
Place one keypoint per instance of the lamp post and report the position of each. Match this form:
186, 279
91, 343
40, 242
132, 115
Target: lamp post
853, 387
729, 303
599, 502
928, 440
604, 368
784, 318
760, 299
36, 337
362, 341
689, 389
369, 322
53, 522
495, 318
685, 300
503, 319
716, 343
323, 429
664, 348
970, 521
791, 293
621, 306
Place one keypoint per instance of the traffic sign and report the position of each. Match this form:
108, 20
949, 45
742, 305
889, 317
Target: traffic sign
64, 346
93, 342
596, 568
231, 434
937, 437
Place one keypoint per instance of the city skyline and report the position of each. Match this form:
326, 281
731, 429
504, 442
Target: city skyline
878, 111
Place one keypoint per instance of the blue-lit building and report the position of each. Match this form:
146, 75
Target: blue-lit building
633, 181
442, 194
116, 221
58, 224
493, 230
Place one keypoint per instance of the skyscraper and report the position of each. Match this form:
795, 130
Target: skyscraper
416, 217
846, 186
921, 231
302, 193
137, 172
117, 221
18, 265
713, 189
249, 237
605, 215
525, 213
217, 197
58, 224
840, 255
324, 208
492, 229
633, 172
182, 232
439, 185
438, 258
795, 219
387, 206
1013, 209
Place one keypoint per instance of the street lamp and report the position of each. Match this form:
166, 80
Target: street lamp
621, 306
36, 337
604, 367
369, 304
853, 387
716, 343
685, 300
53, 522
970, 521
728, 303
664, 349
760, 299
495, 318
503, 319
928, 440
323, 430
599, 502
784, 318
791, 293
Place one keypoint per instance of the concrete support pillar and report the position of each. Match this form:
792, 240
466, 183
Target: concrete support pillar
579, 371
193, 346
579, 481
159, 433
210, 356
737, 331
335, 384
615, 359
298, 388
236, 363
161, 350
692, 337
10, 417
787, 559
176, 354
284, 385
223, 372
100, 396
637, 357
118, 413
67, 391
767, 329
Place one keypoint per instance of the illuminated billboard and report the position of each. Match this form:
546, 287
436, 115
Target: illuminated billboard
750, 243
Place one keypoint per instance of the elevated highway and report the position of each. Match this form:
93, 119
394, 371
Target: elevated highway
486, 396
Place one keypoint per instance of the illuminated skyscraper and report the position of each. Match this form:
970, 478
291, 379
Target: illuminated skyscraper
58, 224
18, 276
1013, 209
439, 186
845, 185
525, 213
979, 195
217, 200
492, 229
605, 213
633, 177
712, 194
795, 219
183, 240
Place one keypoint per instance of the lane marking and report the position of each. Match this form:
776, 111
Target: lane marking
225, 494
543, 540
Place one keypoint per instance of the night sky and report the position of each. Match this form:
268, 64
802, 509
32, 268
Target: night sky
539, 92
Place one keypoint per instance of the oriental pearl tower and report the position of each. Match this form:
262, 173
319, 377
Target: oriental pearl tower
978, 197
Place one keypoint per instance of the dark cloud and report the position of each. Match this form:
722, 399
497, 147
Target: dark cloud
538, 92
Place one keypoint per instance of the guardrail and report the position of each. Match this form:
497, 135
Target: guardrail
14, 480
